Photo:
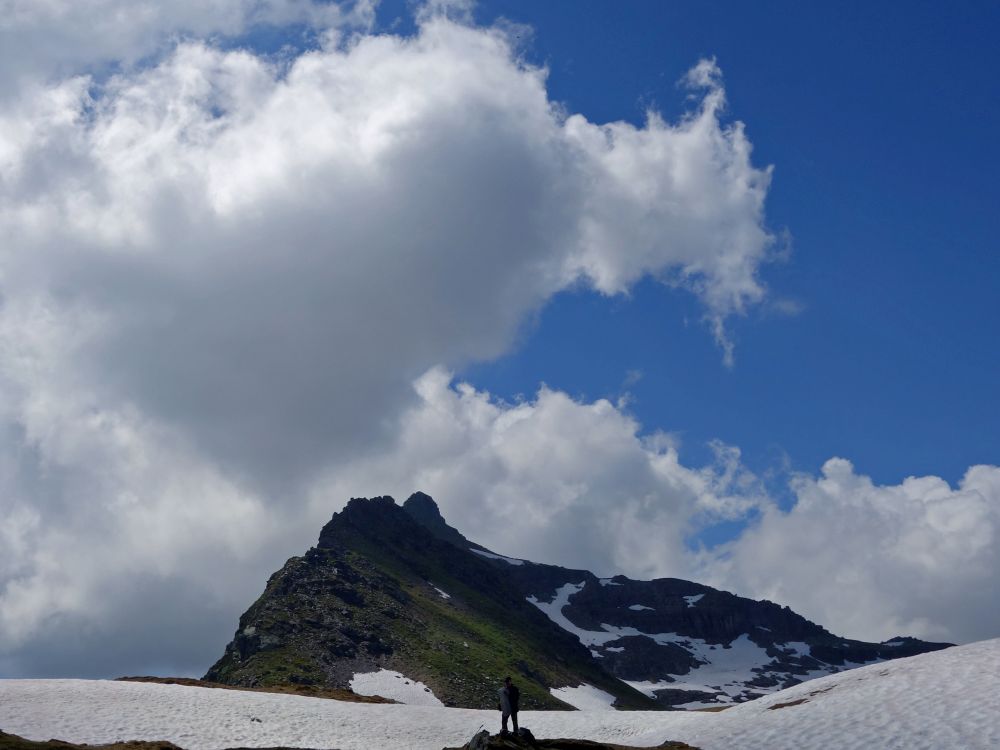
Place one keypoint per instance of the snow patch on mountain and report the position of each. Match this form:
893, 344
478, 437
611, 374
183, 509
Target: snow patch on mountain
442, 594
395, 686
797, 648
609, 633
494, 556
692, 600
554, 611
640, 607
585, 697
724, 673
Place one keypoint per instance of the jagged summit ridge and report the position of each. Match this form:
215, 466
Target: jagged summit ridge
392, 587
381, 515
421, 506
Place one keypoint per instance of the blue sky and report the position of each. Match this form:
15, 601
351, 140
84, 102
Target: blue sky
267, 255
880, 121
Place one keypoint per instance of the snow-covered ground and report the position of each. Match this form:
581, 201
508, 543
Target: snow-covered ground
945, 699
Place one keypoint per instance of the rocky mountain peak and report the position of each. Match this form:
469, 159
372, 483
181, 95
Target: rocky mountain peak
422, 509
421, 504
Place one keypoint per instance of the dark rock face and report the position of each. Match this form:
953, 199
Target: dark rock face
644, 660
305, 628
397, 588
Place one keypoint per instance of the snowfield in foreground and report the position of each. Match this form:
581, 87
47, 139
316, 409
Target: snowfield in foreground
945, 699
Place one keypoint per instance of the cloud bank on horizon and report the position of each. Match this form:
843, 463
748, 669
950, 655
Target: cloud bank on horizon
233, 286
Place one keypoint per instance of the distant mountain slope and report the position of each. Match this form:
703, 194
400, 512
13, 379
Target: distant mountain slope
685, 643
399, 589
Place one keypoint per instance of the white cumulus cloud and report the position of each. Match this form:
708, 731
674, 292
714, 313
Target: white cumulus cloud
873, 561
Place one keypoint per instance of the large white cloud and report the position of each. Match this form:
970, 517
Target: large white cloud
871, 561
221, 275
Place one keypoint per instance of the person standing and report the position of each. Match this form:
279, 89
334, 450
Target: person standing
509, 697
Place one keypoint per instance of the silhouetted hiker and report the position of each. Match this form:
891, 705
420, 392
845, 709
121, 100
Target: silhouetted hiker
509, 696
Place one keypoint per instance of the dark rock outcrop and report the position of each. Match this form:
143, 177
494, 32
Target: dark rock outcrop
422, 509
